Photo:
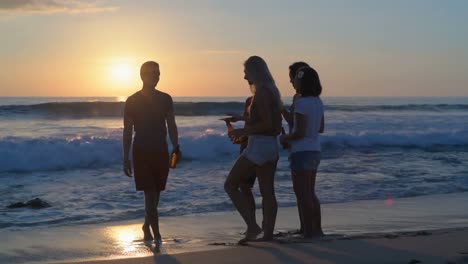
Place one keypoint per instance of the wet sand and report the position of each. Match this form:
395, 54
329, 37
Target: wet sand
361, 231
443, 246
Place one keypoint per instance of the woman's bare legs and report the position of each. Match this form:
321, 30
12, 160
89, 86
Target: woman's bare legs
299, 207
238, 176
308, 202
266, 179
317, 215
246, 190
303, 190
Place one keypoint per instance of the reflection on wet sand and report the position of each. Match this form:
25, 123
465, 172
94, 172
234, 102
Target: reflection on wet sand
129, 242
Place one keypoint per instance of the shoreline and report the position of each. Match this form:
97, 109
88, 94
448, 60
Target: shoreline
448, 246
184, 235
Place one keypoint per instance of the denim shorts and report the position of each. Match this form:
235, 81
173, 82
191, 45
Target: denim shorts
304, 160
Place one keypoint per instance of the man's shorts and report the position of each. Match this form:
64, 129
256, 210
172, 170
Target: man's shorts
304, 160
150, 170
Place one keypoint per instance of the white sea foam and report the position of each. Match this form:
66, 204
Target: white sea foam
209, 145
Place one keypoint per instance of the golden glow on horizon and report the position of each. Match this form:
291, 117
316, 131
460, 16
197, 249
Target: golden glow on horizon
121, 72
105, 58
118, 75
121, 98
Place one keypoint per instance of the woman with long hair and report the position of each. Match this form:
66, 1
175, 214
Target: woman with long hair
305, 151
261, 154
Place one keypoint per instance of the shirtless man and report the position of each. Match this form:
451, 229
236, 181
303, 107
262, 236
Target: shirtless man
147, 112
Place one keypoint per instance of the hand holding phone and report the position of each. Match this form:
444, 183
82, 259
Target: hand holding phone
234, 117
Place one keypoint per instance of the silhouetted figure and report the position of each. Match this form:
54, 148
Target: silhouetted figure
246, 187
305, 148
288, 115
147, 112
261, 154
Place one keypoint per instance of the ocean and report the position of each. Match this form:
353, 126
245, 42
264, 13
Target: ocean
68, 152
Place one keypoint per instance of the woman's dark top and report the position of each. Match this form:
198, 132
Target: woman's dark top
275, 128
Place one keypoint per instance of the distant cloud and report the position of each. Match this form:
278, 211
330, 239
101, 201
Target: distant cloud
53, 6
223, 52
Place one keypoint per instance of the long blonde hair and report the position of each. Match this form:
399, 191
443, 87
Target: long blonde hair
262, 78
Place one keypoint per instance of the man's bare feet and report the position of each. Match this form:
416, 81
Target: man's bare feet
158, 242
157, 239
146, 233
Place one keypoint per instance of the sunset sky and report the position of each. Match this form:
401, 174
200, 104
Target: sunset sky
359, 48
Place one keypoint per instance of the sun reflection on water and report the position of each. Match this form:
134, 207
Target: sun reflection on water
121, 98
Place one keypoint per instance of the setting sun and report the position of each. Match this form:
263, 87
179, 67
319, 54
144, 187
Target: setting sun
121, 72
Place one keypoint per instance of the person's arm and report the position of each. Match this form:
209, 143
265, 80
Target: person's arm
322, 124
299, 129
127, 140
286, 115
172, 127
235, 117
245, 116
266, 121
300, 123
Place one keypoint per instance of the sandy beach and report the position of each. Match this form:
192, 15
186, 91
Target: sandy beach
448, 246
432, 229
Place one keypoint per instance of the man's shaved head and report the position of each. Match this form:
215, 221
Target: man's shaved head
149, 73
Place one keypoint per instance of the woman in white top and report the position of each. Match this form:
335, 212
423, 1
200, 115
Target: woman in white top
305, 148
288, 115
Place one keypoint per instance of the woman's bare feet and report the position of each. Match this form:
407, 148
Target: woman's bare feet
317, 234
263, 239
297, 232
250, 235
253, 232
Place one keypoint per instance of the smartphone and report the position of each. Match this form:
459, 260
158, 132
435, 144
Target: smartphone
228, 119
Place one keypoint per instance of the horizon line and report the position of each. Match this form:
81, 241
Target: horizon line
242, 96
